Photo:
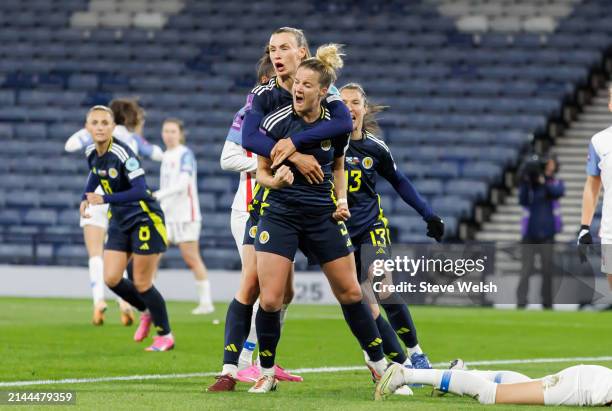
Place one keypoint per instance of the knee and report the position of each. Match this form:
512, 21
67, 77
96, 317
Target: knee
271, 303
288, 296
142, 285
350, 295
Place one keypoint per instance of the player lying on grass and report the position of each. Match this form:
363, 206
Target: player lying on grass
582, 385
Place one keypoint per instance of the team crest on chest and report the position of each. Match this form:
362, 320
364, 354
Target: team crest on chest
367, 163
113, 173
326, 145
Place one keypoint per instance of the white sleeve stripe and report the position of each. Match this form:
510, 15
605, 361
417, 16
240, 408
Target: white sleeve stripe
122, 150
267, 124
119, 154
136, 173
278, 120
377, 141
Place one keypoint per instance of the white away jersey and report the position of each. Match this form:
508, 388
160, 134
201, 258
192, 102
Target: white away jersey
599, 163
178, 176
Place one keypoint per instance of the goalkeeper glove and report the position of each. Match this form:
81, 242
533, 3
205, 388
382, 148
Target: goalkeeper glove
584, 239
435, 227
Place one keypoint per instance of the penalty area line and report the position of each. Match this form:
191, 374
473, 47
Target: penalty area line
296, 371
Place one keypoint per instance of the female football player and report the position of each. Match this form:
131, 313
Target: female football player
298, 213
366, 158
288, 47
129, 122
178, 196
136, 225
581, 385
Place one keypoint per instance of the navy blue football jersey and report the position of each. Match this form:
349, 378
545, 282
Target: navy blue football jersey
115, 170
301, 194
364, 160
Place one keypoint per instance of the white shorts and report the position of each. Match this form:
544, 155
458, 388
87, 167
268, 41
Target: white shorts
238, 220
581, 385
98, 216
183, 232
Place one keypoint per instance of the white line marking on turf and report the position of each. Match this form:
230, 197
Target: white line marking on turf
297, 371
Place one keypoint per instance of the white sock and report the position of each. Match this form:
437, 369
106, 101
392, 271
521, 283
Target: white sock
379, 366
229, 369
203, 288
502, 377
415, 350
96, 277
268, 371
283, 314
455, 381
169, 335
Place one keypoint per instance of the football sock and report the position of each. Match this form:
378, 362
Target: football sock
391, 346
229, 369
203, 288
502, 377
360, 321
157, 307
246, 356
455, 381
268, 334
130, 270
126, 290
96, 277
401, 321
237, 324
415, 350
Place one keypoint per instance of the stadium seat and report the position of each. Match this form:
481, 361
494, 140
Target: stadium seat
40, 217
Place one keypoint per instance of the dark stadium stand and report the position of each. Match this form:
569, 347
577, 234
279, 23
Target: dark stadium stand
463, 107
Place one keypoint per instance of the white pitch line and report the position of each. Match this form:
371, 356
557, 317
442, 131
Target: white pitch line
297, 371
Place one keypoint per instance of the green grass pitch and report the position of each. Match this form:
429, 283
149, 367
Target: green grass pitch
52, 339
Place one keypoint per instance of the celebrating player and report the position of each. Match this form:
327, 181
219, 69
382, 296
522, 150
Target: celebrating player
288, 47
598, 167
297, 212
366, 158
136, 226
129, 118
178, 196
582, 385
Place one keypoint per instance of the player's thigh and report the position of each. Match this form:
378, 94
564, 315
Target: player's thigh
190, 251
520, 393
115, 262
94, 239
342, 278
273, 272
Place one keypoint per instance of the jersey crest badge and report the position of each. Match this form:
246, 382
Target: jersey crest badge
113, 173
368, 163
326, 145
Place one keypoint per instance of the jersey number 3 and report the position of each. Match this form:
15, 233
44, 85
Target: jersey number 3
354, 181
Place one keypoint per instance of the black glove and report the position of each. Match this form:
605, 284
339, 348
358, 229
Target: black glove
584, 239
435, 227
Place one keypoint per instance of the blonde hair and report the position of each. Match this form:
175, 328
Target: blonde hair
370, 122
180, 124
326, 62
300, 38
101, 108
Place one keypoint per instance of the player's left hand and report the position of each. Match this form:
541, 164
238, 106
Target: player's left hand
281, 151
342, 213
95, 199
584, 239
435, 228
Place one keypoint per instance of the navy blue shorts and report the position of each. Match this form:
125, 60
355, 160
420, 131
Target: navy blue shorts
143, 238
376, 235
250, 230
323, 238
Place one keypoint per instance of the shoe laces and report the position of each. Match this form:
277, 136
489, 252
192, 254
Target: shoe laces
261, 381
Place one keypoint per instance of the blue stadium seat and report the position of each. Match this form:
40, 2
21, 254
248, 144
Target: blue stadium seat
10, 216
40, 217
31, 131
83, 82
473, 190
60, 199
453, 206
69, 218
23, 198
483, 170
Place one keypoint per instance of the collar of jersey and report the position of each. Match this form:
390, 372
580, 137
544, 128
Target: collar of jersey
321, 117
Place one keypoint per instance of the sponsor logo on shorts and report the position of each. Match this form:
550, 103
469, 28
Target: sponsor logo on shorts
264, 237
367, 163
113, 173
253, 231
325, 145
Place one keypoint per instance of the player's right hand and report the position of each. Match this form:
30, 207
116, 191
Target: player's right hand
283, 176
584, 239
308, 166
83, 209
